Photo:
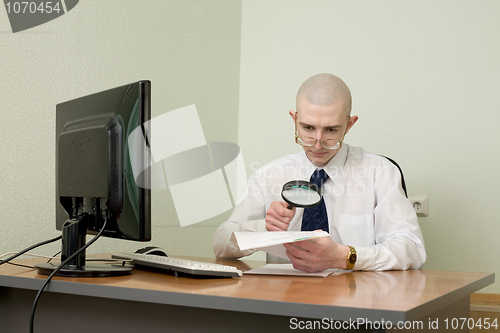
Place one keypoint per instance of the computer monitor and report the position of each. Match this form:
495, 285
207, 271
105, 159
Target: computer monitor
102, 173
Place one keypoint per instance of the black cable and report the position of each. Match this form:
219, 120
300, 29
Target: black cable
61, 265
30, 248
26, 266
53, 257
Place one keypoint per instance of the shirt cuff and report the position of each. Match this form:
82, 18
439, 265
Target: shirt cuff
365, 259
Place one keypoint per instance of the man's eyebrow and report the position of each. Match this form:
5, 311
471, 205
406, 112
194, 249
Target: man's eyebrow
333, 127
327, 127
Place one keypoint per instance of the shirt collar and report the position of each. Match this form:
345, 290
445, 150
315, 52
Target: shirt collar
335, 166
332, 168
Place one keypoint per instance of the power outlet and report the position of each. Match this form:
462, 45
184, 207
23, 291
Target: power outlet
421, 205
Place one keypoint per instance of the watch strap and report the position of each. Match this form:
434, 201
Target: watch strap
352, 256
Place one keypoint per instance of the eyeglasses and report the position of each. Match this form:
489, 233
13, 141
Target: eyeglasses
309, 142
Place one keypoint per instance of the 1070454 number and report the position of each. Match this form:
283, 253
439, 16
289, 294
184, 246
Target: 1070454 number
26, 7
471, 323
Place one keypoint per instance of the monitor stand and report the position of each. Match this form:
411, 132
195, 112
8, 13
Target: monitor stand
74, 232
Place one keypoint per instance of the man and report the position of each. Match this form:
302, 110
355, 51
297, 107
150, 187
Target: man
372, 224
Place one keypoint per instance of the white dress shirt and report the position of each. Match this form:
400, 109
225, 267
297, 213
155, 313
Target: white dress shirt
365, 203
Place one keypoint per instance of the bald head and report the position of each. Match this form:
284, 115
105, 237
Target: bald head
325, 89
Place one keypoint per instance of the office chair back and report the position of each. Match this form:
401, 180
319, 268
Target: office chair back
401, 172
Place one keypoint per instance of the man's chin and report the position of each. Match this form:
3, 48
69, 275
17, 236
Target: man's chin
319, 159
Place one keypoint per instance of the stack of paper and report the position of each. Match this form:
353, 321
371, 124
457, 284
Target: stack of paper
272, 242
287, 269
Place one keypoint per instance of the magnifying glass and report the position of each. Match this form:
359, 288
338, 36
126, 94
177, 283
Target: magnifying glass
301, 193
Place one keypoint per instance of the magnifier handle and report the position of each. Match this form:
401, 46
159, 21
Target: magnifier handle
290, 207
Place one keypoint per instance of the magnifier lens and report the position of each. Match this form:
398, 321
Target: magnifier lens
302, 195
299, 193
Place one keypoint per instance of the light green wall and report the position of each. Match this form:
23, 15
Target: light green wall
424, 75
425, 80
190, 50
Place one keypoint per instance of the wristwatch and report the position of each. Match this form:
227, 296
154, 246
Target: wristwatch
351, 258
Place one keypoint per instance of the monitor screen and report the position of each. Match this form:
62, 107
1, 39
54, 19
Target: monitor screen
97, 147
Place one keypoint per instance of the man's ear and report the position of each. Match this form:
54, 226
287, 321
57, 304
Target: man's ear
292, 114
352, 121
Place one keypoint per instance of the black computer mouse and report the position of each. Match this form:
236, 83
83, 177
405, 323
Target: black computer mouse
152, 250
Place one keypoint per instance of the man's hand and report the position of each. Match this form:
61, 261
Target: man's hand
317, 254
278, 216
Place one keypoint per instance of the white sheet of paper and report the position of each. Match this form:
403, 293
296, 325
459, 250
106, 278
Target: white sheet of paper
287, 269
276, 250
272, 241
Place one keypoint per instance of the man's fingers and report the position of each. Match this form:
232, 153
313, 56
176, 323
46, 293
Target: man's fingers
282, 209
273, 224
298, 262
278, 217
296, 251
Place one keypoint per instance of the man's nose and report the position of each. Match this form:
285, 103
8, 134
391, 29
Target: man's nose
318, 145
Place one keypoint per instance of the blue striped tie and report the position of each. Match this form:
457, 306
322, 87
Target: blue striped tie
315, 217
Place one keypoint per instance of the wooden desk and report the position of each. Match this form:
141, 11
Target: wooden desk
148, 301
